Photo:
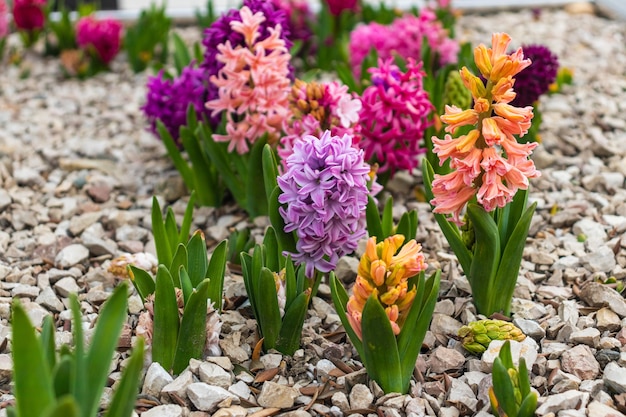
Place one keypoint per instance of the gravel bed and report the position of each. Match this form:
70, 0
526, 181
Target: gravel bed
78, 171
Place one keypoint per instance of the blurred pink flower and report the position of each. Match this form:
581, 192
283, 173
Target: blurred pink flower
338, 6
4, 19
104, 36
28, 15
253, 84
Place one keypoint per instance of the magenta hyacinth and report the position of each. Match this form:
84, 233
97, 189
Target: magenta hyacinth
28, 15
104, 37
535, 80
394, 116
324, 195
4, 19
168, 99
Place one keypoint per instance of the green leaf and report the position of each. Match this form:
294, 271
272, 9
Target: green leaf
192, 334
372, 218
449, 230
79, 369
181, 258
182, 58
528, 406
248, 280
103, 343
291, 285
482, 275
215, 272
269, 313
171, 230
505, 355
291, 329
286, 240
381, 359
33, 394
123, 402
503, 388
340, 300
197, 262
524, 380
256, 197
47, 341
416, 325
206, 179
347, 78
387, 220
510, 214
174, 153
272, 252
161, 243
185, 283
185, 227
62, 376
270, 170
65, 407
508, 270
142, 280
166, 320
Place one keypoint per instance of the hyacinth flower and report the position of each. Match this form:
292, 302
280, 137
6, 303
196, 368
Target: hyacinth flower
477, 335
317, 107
394, 116
390, 309
318, 206
29, 17
100, 38
4, 26
489, 178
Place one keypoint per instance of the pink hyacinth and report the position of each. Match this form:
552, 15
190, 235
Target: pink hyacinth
253, 84
404, 37
394, 116
100, 36
316, 107
4, 19
29, 15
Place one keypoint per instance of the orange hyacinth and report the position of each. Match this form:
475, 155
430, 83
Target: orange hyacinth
488, 163
385, 275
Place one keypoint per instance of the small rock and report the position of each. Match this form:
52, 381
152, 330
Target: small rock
589, 336
592, 230
597, 409
600, 260
234, 411
615, 377
600, 295
179, 385
340, 400
66, 286
206, 397
71, 255
567, 400
461, 393
605, 356
530, 328
81, 222
99, 192
606, 319
156, 379
526, 349
444, 359
48, 299
167, 410
5, 199
214, 374
240, 389
360, 397
6, 368
580, 361
527, 309
274, 395
346, 268
444, 325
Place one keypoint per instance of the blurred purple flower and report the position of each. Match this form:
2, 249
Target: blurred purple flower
324, 193
535, 80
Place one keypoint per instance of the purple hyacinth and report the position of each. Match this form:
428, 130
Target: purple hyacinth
324, 195
535, 80
220, 32
168, 99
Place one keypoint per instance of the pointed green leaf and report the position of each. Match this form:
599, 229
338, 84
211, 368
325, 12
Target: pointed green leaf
286, 240
123, 402
185, 227
291, 329
528, 406
47, 341
171, 230
503, 388
482, 275
206, 179
79, 370
372, 218
273, 255
270, 170
380, 349
449, 230
197, 262
524, 380
291, 284
192, 334
62, 376
269, 314
505, 355
166, 320
179, 259
161, 243
256, 197
248, 278
182, 57
215, 272
33, 394
103, 343
174, 153
387, 220
508, 269
185, 283
142, 280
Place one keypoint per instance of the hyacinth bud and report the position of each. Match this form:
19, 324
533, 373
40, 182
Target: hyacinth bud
478, 334
455, 93
384, 274
279, 280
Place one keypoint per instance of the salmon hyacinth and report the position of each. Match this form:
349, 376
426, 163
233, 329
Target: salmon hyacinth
385, 275
254, 84
488, 163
